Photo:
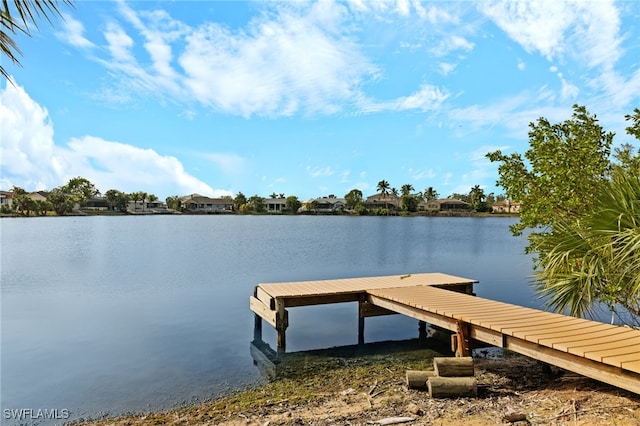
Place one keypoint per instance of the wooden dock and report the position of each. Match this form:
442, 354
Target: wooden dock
608, 353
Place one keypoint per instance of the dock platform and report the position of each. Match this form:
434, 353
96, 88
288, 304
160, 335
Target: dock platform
607, 353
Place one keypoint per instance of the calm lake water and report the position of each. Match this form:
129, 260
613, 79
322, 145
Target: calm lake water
107, 315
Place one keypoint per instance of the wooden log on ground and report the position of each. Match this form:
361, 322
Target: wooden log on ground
417, 379
452, 387
453, 367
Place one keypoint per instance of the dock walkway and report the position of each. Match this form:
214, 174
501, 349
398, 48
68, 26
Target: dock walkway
603, 352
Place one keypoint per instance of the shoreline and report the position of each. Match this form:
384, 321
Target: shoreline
119, 214
361, 386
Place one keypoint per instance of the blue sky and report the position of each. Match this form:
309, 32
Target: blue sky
306, 98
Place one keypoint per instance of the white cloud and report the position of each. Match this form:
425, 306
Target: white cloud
589, 30
295, 62
428, 98
621, 92
446, 68
568, 91
298, 58
436, 15
451, 44
534, 25
521, 65
73, 32
513, 113
403, 7
119, 44
30, 159
319, 171
418, 174
131, 168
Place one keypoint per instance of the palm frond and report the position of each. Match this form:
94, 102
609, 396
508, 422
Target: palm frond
17, 17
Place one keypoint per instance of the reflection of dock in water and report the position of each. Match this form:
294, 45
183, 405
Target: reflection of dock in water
265, 358
274, 365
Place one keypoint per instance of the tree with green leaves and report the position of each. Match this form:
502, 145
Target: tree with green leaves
477, 198
292, 203
314, 205
410, 202
61, 201
135, 197
584, 210
41, 207
17, 18
430, 194
239, 201
117, 200
143, 198
565, 166
174, 202
406, 189
596, 259
256, 203
80, 189
19, 203
353, 199
383, 187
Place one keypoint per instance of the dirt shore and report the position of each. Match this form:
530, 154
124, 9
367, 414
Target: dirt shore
358, 386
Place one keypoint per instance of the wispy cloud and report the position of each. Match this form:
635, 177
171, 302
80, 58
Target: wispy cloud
298, 58
585, 32
452, 44
295, 58
277, 67
590, 30
536, 26
513, 113
427, 98
320, 171
421, 174
73, 32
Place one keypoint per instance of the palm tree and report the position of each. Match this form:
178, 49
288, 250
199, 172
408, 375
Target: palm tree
595, 260
406, 189
135, 196
152, 198
430, 194
143, 197
383, 187
477, 196
173, 202
394, 192
18, 19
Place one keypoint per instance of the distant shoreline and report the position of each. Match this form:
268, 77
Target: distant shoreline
119, 214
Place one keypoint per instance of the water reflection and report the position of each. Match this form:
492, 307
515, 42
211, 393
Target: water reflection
274, 365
